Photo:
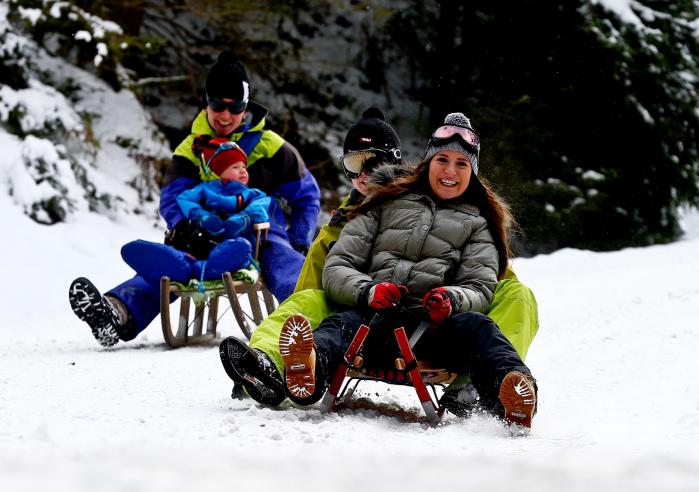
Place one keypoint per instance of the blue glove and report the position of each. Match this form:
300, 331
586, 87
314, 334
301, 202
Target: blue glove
236, 225
212, 224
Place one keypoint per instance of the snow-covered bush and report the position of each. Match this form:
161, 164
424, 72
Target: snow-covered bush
72, 141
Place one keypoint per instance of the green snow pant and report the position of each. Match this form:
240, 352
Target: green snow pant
513, 309
312, 303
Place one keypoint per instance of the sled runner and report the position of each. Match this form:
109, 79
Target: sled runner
204, 298
406, 370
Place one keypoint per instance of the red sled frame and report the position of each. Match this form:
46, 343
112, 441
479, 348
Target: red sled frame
408, 372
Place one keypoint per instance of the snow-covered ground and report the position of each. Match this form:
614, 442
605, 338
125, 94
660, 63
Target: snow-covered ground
615, 358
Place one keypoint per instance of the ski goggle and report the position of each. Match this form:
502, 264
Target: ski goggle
223, 146
448, 133
356, 161
218, 105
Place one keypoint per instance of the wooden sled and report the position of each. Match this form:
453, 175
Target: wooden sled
205, 303
407, 371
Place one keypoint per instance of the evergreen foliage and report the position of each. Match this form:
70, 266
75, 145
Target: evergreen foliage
589, 124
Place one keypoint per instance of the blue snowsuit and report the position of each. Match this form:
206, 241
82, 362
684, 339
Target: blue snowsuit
227, 210
276, 168
235, 203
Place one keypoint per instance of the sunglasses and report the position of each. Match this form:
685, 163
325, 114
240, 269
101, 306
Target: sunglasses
356, 161
447, 133
218, 105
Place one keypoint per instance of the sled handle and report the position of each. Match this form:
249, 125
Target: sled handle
261, 228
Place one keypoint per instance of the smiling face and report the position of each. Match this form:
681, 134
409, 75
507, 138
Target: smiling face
224, 123
238, 171
449, 174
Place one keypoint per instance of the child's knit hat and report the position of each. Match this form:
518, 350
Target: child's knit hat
218, 153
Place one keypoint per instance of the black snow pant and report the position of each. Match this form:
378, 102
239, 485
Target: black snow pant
466, 343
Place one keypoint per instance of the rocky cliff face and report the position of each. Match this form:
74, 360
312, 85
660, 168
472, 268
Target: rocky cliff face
316, 67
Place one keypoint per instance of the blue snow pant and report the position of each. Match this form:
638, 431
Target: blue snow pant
154, 260
280, 263
466, 343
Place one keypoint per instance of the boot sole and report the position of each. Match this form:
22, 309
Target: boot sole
241, 365
296, 348
519, 399
84, 299
81, 296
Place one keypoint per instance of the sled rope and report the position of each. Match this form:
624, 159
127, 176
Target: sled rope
201, 277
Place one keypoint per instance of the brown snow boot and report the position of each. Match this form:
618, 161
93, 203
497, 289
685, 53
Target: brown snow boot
299, 356
518, 397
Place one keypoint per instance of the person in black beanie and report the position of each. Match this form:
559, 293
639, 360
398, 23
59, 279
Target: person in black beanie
274, 166
370, 143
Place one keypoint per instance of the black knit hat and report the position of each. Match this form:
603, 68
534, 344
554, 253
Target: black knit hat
371, 132
228, 79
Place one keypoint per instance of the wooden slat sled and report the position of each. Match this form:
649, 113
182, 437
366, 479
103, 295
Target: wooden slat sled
197, 305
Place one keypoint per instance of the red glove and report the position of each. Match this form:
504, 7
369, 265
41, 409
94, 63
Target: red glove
385, 295
438, 305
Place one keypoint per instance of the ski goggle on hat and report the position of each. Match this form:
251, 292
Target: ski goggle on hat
449, 133
211, 149
227, 145
356, 161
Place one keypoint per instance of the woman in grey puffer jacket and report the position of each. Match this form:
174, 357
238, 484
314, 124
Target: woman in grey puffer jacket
417, 241
434, 241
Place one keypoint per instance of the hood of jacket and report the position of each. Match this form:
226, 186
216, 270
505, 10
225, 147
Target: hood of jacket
385, 173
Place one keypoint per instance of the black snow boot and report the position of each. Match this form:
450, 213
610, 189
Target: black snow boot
92, 308
460, 400
253, 370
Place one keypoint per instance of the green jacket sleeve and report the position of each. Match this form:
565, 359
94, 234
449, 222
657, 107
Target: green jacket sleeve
311, 276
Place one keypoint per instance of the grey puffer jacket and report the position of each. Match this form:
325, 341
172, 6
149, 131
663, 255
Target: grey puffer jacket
415, 241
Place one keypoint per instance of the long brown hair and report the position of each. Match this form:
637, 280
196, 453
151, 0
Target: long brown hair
479, 193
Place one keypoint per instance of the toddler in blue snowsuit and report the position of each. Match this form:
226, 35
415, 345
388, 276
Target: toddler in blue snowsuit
220, 216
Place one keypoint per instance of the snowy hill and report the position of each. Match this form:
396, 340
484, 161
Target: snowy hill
615, 358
